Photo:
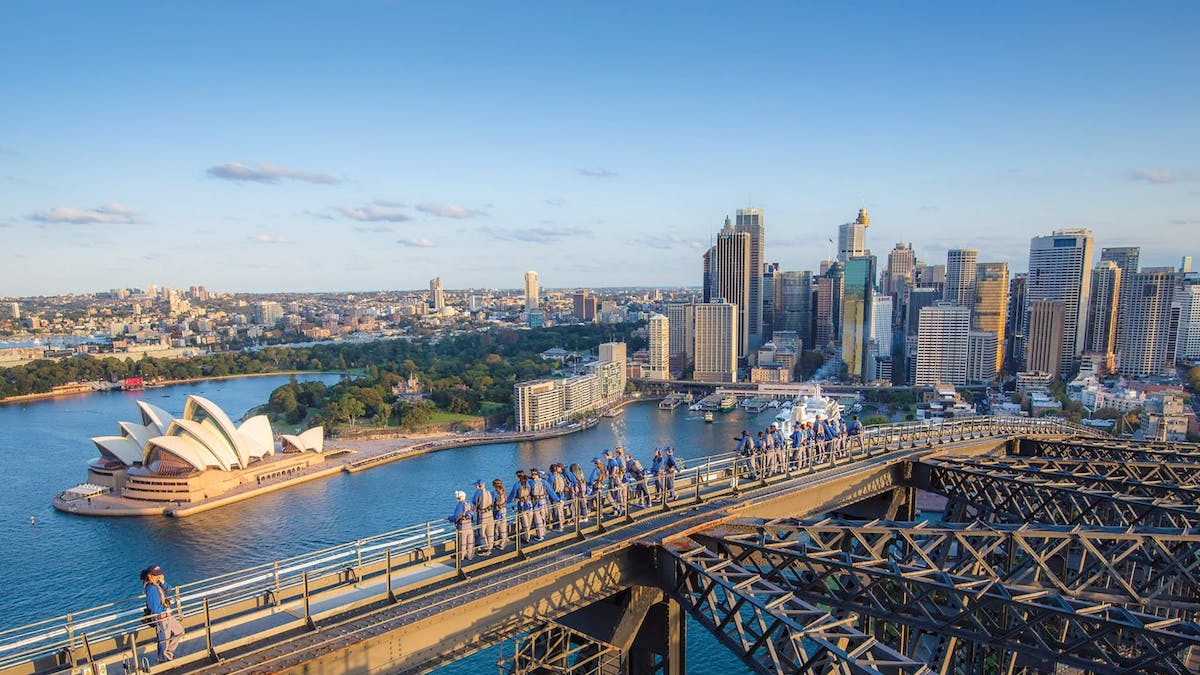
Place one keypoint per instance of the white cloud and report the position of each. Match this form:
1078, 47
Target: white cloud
1157, 176
537, 235
376, 211
665, 241
262, 172
415, 242
109, 214
263, 238
597, 173
449, 211
555, 201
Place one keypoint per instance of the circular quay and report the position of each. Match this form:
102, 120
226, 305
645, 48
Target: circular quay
599, 338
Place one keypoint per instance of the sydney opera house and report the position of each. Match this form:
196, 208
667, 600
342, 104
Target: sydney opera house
198, 456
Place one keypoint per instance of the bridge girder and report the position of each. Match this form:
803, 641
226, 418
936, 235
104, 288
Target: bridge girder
999, 495
1172, 481
891, 587
1108, 450
768, 627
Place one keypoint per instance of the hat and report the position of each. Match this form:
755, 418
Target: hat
535, 471
595, 459
154, 570
670, 449
479, 481
608, 452
460, 495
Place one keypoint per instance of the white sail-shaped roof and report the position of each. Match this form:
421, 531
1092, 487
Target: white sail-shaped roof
203, 410
123, 449
312, 440
138, 433
154, 417
181, 449
256, 434
212, 446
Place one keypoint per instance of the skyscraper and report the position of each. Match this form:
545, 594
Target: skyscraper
531, 291
960, 276
991, 304
681, 319
901, 265
1015, 324
881, 323
942, 344
852, 237
1045, 336
730, 273
827, 319
770, 298
716, 342
658, 330
794, 311
750, 221
981, 356
1060, 269
1187, 297
1128, 259
584, 305
857, 295
437, 295
1146, 337
1101, 335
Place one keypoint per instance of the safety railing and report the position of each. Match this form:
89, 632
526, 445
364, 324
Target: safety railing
112, 631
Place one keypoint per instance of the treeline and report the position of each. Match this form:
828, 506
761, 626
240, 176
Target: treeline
460, 374
468, 374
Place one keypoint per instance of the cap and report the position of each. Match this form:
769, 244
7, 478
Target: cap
460, 495
154, 570
535, 471
595, 459
479, 481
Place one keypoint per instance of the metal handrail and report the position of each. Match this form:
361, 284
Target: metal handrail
119, 618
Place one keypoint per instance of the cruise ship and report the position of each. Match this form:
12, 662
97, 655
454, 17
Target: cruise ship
806, 408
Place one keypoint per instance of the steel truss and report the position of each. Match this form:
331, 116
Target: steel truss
558, 649
770, 628
998, 494
973, 598
1110, 450
1173, 481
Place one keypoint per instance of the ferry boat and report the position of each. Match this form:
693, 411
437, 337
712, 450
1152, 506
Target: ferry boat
671, 402
755, 404
708, 417
806, 408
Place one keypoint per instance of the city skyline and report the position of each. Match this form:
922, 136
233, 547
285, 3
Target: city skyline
180, 146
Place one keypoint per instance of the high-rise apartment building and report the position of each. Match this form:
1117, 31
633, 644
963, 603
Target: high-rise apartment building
658, 330
437, 295
750, 221
584, 305
960, 276
942, 344
539, 404
990, 308
770, 298
794, 311
1101, 334
858, 292
532, 299
681, 319
716, 342
1146, 337
1187, 298
1060, 266
982, 346
1045, 336
852, 237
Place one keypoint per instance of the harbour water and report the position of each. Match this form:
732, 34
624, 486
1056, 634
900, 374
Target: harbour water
60, 563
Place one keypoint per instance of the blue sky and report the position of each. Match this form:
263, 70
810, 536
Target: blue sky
373, 145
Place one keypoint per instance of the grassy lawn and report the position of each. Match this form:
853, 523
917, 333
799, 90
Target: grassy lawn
441, 417
489, 408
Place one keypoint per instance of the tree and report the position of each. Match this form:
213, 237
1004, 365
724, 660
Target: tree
351, 409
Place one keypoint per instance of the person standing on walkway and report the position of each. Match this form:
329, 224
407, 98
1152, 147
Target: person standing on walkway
637, 473
462, 518
158, 607
856, 431
671, 466
523, 500
540, 491
482, 503
558, 488
580, 494
500, 513
656, 471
